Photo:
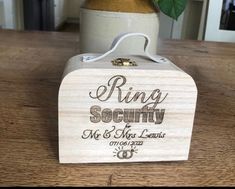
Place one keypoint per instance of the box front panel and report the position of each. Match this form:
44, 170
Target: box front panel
125, 116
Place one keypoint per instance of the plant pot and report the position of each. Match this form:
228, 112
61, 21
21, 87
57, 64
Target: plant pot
103, 20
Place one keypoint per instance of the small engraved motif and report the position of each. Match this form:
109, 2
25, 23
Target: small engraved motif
120, 153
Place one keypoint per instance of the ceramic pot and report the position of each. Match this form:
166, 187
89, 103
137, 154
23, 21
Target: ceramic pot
103, 20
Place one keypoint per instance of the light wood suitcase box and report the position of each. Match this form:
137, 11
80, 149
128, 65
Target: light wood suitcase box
116, 108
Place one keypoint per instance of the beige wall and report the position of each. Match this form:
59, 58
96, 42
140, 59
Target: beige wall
1, 14
192, 20
19, 15
67, 10
73, 8
60, 12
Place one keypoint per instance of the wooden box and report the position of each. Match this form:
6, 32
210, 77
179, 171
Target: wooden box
120, 110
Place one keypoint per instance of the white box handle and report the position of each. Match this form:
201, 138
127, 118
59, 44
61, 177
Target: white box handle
117, 41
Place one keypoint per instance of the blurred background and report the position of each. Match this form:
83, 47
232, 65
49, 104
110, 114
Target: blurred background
196, 23
46, 15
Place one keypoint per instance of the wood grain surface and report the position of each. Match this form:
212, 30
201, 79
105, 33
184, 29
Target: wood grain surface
31, 65
108, 113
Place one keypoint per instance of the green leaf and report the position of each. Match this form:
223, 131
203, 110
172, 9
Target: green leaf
172, 8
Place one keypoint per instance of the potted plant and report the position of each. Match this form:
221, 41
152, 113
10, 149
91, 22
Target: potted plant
103, 20
172, 8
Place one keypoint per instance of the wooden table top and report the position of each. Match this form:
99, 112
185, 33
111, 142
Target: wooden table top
31, 65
